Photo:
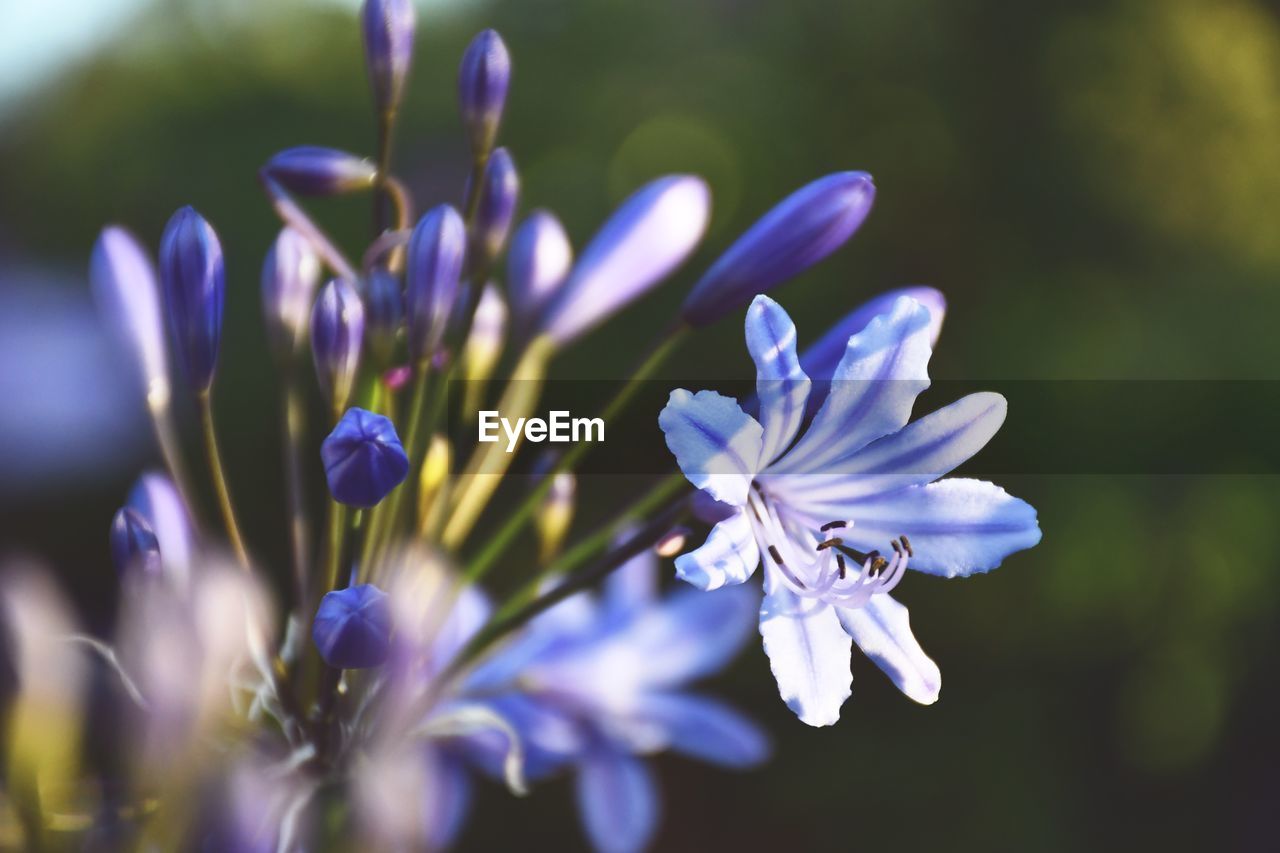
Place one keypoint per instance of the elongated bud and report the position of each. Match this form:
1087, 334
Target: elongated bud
337, 332
804, 228
124, 284
156, 499
388, 49
537, 264
431, 482
436, 254
483, 79
312, 170
384, 310
649, 235
192, 276
352, 628
290, 276
496, 207
134, 547
363, 459
819, 359
484, 344
555, 515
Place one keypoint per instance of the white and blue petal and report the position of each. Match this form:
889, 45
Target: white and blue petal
782, 387
808, 652
729, 556
617, 799
448, 800
956, 526
705, 729
632, 587
716, 444
919, 453
884, 368
882, 630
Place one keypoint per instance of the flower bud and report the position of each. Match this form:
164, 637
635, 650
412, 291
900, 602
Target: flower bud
134, 547
193, 280
156, 499
337, 331
313, 170
290, 276
499, 190
537, 263
483, 79
432, 478
388, 49
819, 359
384, 310
124, 284
804, 228
352, 628
363, 459
555, 515
436, 253
649, 235
484, 344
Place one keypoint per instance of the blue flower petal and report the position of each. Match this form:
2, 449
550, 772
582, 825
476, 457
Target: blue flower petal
808, 651
716, 444
783, 388
618, 801
956, 526
450, 792
821, 358
882, 630
706, 729
872, 391
729, 556
632, 587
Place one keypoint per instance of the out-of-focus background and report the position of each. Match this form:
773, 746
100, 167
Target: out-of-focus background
1095, 186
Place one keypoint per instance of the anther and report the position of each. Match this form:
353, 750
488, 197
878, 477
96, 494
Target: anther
906, 543
833, 525
834, 542
841, 564
777, 557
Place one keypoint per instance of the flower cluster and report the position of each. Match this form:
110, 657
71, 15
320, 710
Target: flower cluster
362, 708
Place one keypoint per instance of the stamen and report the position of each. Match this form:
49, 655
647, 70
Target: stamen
830, 543
840, 563
777, 558
906, 543
833, 525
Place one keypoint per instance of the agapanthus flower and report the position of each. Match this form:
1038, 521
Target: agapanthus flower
194, 282
537, 264
352, 628
363, 458
337, 335
134, 547
315, 170
432, 281
124, 283
820, 510
290, 276
483, 78
388, 49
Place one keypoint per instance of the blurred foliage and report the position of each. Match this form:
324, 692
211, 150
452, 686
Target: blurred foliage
1093, 184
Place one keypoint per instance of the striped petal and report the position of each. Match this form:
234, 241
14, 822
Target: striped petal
783, 388
882, 630
716, 444
618, 800
729, 556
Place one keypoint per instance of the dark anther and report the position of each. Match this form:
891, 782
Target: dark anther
893, 543
832, 525
840, 563
906, 543
830, 543
773, 552
877, 564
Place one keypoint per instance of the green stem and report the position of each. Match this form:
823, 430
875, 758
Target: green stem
498, 543
384, 516
219, 477
294, 420
337, 539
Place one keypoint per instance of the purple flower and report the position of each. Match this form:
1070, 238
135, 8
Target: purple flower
483, 79
649, 235
290, 276
363, 459
597, 684
388, 49
337, 332
156, 499
499, 190
384, 311
804, 228
436, 253
819, 511
537, 264
352, 628
134, 548
193, 280
124, 284
313, 170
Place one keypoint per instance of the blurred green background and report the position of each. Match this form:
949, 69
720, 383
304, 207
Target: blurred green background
1094, 185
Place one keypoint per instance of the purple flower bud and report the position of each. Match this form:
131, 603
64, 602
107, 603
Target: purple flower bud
156, 499
290, 276
363, 459
352, 629
134, 547
649, 235
819, 360
193, 280
499, 190
388, 49
384, 310
804, 228
312, 170
537, 263
124, 284
337, 332
483, 79
436, 253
